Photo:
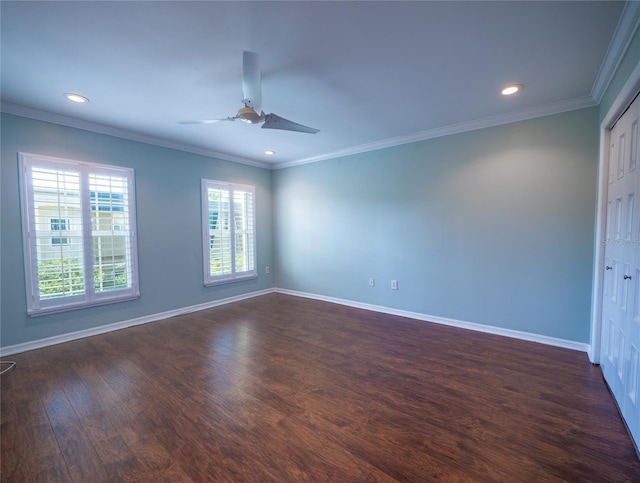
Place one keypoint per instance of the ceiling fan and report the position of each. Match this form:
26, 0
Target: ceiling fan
252, 100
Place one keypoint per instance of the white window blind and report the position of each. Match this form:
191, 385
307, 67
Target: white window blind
228, 228
79, 233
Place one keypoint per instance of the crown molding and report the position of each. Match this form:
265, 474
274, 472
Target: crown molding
45, 116
491, 121
628, 24
625, 30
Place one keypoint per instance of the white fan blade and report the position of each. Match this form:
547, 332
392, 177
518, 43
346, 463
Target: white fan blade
251, 81
273, 121
207, 121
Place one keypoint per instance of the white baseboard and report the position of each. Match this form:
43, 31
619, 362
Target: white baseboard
59, 339
515, 334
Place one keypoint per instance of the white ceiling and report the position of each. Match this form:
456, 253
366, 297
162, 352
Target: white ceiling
367, 74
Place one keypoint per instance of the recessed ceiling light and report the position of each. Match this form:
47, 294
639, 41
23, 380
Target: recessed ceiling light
269, 152
77, 98
512, 89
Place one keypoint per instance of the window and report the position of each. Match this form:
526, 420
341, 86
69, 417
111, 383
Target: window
228, 232
78, 224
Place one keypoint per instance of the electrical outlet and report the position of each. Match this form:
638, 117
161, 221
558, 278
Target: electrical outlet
372, 282
394, 285
267, 269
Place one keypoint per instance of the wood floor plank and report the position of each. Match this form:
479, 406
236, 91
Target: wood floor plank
119, 461
280, 388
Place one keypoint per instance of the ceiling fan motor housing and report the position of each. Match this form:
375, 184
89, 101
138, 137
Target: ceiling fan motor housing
248, 115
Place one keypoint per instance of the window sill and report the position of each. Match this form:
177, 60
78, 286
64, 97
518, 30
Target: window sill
223, 281
80, 305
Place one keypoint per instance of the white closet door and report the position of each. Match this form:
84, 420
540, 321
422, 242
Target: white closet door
621, 295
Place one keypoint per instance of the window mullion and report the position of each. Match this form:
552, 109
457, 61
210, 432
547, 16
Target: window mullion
232, 231
87, 237
132, 265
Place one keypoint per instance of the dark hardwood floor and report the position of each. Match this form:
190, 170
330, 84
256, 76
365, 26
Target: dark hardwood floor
279, 388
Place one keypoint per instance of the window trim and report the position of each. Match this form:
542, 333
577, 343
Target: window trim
37, 306
234, 276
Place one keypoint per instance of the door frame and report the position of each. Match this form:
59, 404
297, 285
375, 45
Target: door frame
619, 106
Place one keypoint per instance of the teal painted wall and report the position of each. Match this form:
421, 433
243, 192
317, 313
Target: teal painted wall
169, 226
494, 226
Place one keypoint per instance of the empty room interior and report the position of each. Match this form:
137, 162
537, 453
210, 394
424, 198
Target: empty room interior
320, 241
